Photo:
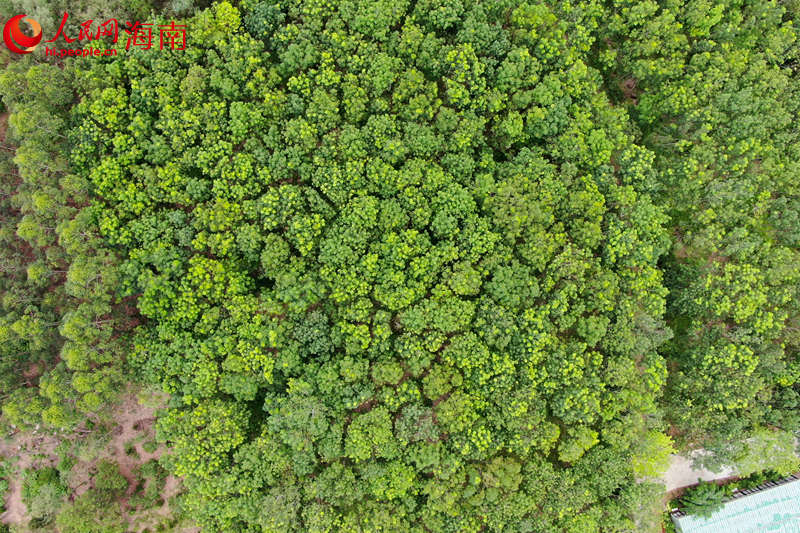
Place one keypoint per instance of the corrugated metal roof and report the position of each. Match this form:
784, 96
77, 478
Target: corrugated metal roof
774, 510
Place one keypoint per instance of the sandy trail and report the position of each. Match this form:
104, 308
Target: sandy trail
681, 473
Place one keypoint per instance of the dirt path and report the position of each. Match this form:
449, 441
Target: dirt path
681, 472
134, 422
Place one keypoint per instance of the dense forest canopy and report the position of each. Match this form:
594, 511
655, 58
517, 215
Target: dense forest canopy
430, 266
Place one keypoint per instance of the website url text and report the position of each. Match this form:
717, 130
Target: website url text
64, 52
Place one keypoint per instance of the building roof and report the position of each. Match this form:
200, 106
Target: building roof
775, 509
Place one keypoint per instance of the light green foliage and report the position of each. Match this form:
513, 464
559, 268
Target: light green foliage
575, 445
769, 450
61, 328
713, 87
43, 494
387, 258
443, 265
109, 481
99, 509
150, 479
764, 450
5, 474
652, 455
91, 514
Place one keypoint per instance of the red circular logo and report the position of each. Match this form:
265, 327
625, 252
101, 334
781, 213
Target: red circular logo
16, 40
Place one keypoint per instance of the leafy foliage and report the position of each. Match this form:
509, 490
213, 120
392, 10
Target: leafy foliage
43, 494
703, 499
714, 91
413, 266
390, 269
62, 331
